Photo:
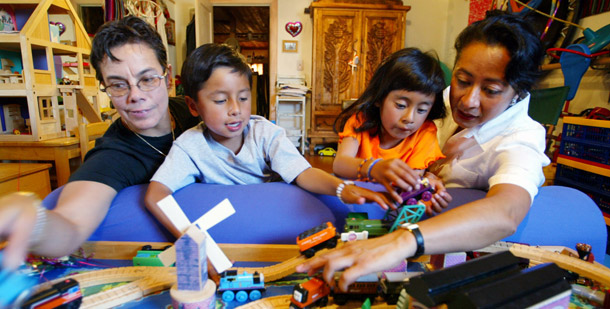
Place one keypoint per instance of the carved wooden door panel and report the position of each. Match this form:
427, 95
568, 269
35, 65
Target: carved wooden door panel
383, 34
337, 36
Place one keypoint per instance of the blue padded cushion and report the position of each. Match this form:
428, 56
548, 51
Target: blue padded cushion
275, 213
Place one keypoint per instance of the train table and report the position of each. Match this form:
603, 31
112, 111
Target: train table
108, 279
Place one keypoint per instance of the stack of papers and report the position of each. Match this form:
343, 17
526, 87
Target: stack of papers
292, 90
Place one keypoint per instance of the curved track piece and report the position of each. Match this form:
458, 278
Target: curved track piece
143, 280
277, 271
537, 255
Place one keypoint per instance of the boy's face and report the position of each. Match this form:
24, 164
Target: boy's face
224, 104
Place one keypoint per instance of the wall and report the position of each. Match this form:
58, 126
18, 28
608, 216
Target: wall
289, 63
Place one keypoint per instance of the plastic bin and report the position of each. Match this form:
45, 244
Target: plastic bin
586, 139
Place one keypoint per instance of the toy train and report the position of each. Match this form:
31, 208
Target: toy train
148, 256
64, 294
319, 237
241, 287
315, 292
423, 194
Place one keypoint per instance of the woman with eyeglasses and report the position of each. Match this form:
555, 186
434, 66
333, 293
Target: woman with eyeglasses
131, 65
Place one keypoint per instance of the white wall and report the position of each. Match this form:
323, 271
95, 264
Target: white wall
292, 11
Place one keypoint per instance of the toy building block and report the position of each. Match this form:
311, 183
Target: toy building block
440, 261
440, 286
541, 286
191, 261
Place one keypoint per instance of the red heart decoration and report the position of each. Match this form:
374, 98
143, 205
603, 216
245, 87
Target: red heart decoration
294, 28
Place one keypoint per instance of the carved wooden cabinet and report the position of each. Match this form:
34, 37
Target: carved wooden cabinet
349, 42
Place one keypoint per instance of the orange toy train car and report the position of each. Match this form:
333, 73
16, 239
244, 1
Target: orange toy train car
314, 239
313, 293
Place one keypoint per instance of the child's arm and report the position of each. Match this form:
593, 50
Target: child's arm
346, 164
156, 192
388, 172
318, 181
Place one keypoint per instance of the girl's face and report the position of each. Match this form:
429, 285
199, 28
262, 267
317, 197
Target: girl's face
402, 113
224, 106
479, 90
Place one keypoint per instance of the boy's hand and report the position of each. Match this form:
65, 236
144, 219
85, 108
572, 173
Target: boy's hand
393, 173
441, 198
353, 194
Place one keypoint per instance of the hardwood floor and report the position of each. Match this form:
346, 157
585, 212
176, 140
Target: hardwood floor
324, 163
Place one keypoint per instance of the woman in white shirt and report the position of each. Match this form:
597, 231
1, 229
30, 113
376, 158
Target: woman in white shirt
491, 144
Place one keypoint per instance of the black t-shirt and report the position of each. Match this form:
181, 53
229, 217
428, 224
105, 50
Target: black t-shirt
121, 159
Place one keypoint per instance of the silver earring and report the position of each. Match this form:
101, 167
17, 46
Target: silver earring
513, 102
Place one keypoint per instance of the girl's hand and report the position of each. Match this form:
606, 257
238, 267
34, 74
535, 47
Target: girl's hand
353, 194
393, 173
441, 198
359, 258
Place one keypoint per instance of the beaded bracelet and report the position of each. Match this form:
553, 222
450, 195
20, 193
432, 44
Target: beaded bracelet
360, 168
41, 218
368, 174
340, 188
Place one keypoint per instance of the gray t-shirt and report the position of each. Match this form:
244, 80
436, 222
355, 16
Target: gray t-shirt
266, 155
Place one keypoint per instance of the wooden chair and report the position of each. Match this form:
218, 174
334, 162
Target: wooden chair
88, 133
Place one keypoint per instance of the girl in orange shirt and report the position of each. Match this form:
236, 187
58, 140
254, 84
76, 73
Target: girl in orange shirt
388, 135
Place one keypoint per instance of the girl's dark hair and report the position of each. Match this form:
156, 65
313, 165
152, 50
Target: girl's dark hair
407, 69
202, 62
119, 32
519, 39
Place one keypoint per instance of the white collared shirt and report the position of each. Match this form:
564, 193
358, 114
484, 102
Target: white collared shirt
505, 149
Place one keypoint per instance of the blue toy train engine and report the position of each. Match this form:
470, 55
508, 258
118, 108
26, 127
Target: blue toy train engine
241, 286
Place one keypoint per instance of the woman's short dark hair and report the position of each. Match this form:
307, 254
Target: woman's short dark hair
119, 32
408, 69
202, 62
517, 36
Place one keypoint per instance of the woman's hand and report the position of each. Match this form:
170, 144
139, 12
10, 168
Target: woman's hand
440, 199
361, 257
17, 219
392, 173
352, 194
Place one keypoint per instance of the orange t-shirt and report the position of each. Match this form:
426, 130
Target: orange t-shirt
418, 150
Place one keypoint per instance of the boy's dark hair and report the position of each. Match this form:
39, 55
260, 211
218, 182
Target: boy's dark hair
519, 39
202, 62
119, 32
407, 69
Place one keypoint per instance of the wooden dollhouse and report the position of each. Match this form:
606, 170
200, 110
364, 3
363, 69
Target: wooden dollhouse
46, 84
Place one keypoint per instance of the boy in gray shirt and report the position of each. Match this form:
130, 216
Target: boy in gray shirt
231, 146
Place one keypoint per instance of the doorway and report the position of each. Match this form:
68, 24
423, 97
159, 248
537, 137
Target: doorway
247, 30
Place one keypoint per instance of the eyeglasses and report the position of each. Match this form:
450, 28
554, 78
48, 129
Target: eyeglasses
146, 83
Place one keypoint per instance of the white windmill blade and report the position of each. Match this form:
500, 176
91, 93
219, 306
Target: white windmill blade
176, 216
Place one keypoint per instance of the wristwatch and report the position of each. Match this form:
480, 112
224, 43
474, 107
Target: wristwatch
419, 238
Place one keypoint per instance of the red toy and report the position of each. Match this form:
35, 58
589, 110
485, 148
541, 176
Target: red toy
313, 293
314, 239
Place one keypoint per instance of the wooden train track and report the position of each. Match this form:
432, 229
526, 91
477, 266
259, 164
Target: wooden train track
142, 281
277, 271
145, 280
539, 255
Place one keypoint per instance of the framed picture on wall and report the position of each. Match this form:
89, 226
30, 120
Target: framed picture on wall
170, 31
289, 46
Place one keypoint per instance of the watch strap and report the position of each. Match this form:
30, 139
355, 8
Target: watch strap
419, 238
